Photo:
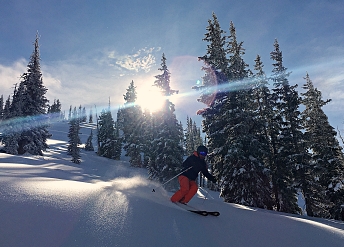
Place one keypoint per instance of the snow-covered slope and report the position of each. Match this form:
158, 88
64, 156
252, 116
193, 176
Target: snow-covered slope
49, 201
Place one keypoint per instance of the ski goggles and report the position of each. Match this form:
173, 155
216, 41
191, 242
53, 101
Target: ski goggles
203, 153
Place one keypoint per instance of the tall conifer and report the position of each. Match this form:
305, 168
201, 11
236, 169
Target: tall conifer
107, 136
167, 156
214, 92
74, 139
323, 179
1, 107
30, 104
291, 153
132, 119
244, 179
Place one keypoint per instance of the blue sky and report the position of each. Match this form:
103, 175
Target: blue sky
92, 50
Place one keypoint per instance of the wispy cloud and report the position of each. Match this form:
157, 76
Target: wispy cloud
141, 60
10, 75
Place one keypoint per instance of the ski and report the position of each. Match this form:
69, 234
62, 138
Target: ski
213, 213
197, 211
203, 213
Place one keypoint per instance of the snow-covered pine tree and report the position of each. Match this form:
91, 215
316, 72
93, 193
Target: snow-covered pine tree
35, 101
80, 116
89, 144
90, 119
193, 137
323, 179
33, 119
107, 135
167, 154
243, 175
83, 115
181, 141
196, 132
292, 153
70, 113
147, 137
55, 110
117, 143
1, 114
214, 93
11, 128
16, 108
10, 139
55, 107
132, 130
74, 139
189, 140
7, 109
1, 107
267, 113
266, 118
192, 140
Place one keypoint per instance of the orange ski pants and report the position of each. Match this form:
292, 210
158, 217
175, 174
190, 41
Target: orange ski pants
188, 189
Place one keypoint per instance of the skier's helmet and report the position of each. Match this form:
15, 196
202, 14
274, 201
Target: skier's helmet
202, 150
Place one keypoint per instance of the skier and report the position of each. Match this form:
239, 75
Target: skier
187, 180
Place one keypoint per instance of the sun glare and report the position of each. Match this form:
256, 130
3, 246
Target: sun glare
150, 99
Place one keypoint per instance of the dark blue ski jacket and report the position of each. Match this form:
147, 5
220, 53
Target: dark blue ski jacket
198, 165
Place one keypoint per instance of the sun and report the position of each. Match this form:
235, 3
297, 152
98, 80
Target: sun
150, 99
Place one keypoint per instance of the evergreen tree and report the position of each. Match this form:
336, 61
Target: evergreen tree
35, 101
291, 151
132, 118
147, 137
30, 104
80, 116
16, 109
196, 132
266, 119
193, 137
107, 136
117, 143
214, 93
89, 144
90, 119
189, 141
83, 115
1, 107
70, 113
245, 180
55, 110
74, 139
167, 154
7, 109
55, 107
10, 130
10, 139
322, 180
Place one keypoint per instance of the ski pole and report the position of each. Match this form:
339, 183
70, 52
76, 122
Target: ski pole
173, 177
207, 193
176, 176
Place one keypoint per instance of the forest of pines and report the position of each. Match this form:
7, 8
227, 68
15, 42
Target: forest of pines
263, 150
